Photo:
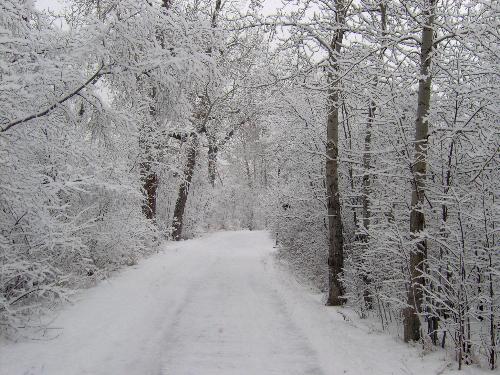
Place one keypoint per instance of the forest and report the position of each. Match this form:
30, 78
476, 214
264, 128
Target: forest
362, 135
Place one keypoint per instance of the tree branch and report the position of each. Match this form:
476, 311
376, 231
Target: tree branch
68, 96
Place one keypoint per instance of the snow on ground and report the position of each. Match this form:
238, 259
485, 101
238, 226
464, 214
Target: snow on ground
212, 306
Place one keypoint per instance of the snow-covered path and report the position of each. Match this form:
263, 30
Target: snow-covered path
215, 305
234, 321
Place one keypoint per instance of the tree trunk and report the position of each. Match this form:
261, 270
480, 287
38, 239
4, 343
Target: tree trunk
418, 254
212, 144
150, 184
148, 176
493, 327
250, 187
336, 239
366, 170
366, 200
350, 171
372, 107
212, 160
180, 204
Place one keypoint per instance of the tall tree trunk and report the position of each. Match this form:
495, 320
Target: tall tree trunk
250, 186
366, 200
204, 114
372, 107
418, 255
336, 239
180, 204
212, 143
150, 184
366, 170
350, 171
493, 327
148, 175
212, 160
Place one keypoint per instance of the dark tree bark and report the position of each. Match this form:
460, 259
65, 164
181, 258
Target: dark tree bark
148, 175
336, 238
418, 255
212, 160
215, 14
493, 327
180, 204
150, 184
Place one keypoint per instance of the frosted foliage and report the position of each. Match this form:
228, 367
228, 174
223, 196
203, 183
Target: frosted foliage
375, 74
71, 191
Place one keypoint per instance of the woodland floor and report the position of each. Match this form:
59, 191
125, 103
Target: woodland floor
218, 305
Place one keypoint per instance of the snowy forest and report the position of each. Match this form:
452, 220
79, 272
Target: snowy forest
362, 135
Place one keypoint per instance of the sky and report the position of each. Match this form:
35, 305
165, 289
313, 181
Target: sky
50, 4
269, 5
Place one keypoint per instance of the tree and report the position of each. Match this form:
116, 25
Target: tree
218, 112
336, 237
417, 220
72, 142
180, 204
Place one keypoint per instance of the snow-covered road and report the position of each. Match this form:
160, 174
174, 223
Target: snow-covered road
212, 306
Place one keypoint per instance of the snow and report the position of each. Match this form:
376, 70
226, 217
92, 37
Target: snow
214, 305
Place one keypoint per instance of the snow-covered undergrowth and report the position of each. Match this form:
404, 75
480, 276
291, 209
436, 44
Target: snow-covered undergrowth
68, 217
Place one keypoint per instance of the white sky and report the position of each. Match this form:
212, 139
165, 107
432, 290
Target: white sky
49, 4
55, 5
